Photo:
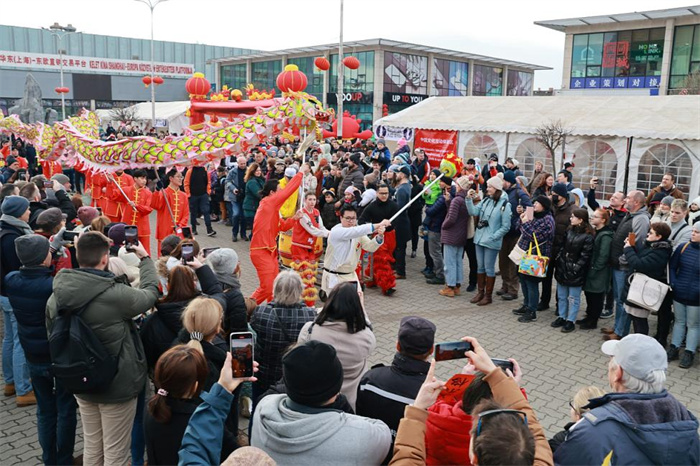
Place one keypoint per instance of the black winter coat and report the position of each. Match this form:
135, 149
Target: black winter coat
162, 327
574, 258
235, 311
562, 220
651, 261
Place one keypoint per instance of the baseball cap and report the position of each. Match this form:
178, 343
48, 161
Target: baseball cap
416, 335
638, 355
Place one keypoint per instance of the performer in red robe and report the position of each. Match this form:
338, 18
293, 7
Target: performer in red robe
50, 167
112, 208
171, 220
305, 252
266, 228
137, 206
93, 186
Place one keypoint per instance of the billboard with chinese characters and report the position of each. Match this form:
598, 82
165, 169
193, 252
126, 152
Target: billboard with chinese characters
41, 61
436, 144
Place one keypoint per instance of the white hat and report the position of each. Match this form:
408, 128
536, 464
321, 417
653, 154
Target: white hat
290, 171
496, 182
638, 355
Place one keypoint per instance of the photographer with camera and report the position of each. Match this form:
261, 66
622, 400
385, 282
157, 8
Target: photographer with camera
494, 215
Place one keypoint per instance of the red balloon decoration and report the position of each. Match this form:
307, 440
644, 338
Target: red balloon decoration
157, 80
291, 79
198, 87
322, 63
351, 62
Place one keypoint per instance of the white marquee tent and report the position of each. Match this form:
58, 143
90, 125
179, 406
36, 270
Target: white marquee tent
627, 141
168, 114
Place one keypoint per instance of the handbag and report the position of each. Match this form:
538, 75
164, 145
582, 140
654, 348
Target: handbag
516, 254
534, 265
645, 292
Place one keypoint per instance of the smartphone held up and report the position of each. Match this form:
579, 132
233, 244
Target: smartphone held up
242, 354
452, 350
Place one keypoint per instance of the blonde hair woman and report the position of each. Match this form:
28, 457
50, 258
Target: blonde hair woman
578, 407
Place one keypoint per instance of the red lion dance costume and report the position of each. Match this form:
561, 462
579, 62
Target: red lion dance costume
306, 252
383, 275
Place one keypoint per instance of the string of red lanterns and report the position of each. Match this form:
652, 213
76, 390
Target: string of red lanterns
157, 80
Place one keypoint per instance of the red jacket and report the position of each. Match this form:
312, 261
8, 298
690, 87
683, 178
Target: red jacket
268, 223
447, 434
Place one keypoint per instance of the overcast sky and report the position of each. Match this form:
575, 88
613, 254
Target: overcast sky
497, 28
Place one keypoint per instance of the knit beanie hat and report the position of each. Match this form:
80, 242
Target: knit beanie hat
14, 206
381, 141
496, 182
464, 183
545, 202
49, 219
223, 261
509, 176
447, 180
31, 249
117, 234
249, 456
87, 214
696, 226
560, 190
61, 178
402, 142
312, 373
436, 171
668, 200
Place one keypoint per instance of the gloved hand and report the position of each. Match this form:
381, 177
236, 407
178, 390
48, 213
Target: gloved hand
57, 241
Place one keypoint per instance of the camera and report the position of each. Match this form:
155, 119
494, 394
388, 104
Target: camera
482, 224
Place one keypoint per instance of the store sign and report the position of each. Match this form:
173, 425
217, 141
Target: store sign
436, 143
352, 98
99, 65
633, 82
403, 99
393, 134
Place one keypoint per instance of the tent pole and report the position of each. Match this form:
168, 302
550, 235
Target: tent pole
627, 162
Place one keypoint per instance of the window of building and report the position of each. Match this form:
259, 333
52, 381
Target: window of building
264, 74
405, 74
660, 159
622, 59
685, 58
519, 83
481, 146
359, 80
528, 152
450, 78
313, 75
487, 81
234, 76
596, 158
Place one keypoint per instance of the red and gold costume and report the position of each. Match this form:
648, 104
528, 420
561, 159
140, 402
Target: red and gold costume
180, 212
263, 246
114, 209
141, 197
383, 275
50, 167
307, 247
94, 182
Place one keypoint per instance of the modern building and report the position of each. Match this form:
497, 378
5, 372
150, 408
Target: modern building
104, 69
649, 52
391, 73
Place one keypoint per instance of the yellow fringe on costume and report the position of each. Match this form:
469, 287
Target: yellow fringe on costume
307, 272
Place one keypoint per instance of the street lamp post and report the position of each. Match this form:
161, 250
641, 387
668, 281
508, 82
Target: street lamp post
152, 4
341, 72
59, 32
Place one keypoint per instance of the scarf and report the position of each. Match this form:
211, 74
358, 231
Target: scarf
230, 281
17, 223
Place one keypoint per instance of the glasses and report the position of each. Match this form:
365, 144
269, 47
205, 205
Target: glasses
383, 194
499, 411
571, 405
350, 219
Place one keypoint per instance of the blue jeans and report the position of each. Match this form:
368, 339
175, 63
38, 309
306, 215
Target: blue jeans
14, 365
622, 319
454, 270
686, 316
531, 291
55, 416
486, 260
237, 218
200, 205
569, 301
138, 438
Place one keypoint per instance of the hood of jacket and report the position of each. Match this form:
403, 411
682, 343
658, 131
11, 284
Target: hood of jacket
447, 434
74, 288
292, 432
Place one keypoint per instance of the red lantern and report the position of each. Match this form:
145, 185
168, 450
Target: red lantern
291, 79
61, 90
322, 63
146, 80
351, 62
197, 86
157, 80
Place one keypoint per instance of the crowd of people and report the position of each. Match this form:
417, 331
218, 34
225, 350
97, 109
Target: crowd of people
150, 369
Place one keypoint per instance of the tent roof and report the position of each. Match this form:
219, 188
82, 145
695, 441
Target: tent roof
164, 110
563, 24
651, 117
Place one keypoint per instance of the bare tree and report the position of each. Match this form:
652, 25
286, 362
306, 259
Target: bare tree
125, 115
551, 135
689, 86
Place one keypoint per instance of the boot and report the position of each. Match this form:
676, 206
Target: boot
9, 389
686, 359
490, 282
458, 289
26, 400
480, 284
448, 291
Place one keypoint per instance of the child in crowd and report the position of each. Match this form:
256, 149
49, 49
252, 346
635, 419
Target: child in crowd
578, 409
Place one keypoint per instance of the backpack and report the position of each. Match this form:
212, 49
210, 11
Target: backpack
79, 360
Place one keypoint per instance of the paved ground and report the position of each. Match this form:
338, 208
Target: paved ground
555, 365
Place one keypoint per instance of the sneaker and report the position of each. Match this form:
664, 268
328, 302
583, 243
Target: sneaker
471, 287
9, 389
413, 254
542, 307
606, 314
246, 405
436, 281
211, 233
26, 400
558, 323
568, 327
686, 359
530, 316
672, 353
520, 311
509, 297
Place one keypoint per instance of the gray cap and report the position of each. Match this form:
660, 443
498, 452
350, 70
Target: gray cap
223, 261
31, 249
638, 355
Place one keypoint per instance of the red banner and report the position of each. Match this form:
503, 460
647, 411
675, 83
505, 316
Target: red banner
436, 144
